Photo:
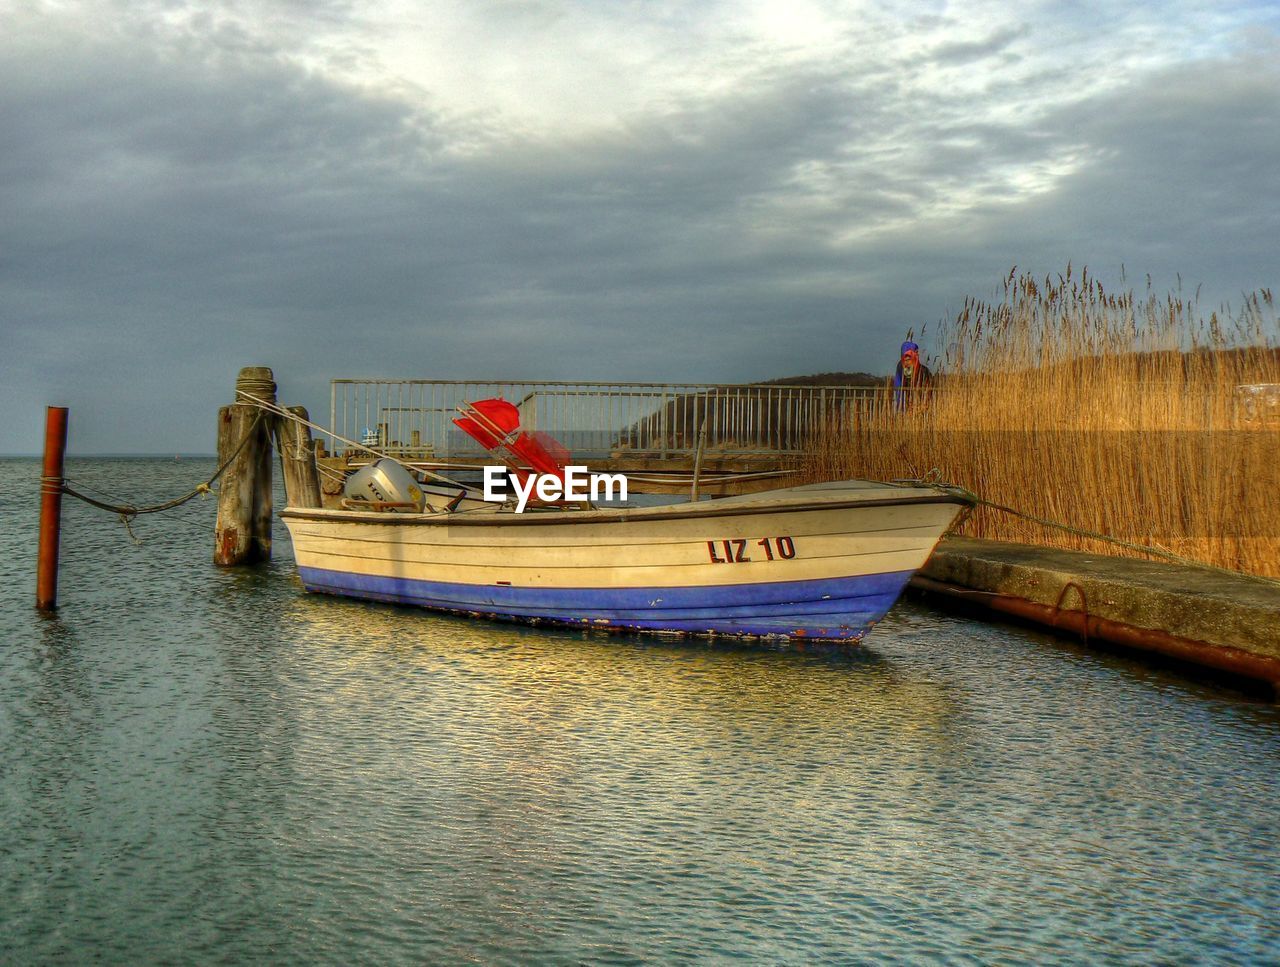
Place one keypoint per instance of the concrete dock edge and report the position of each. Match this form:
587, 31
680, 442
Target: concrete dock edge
1225, 622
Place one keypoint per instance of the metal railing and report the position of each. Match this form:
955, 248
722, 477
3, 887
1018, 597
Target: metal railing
412, 418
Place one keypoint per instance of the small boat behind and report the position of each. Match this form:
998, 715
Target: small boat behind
824, 561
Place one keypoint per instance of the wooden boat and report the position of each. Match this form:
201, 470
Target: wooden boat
817, 562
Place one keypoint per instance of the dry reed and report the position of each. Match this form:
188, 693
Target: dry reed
1112, 413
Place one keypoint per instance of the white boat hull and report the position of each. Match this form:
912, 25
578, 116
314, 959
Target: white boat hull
822, 562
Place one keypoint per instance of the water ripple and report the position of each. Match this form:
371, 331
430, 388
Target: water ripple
206, 765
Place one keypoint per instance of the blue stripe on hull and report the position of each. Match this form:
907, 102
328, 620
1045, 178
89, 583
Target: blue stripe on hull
839, 608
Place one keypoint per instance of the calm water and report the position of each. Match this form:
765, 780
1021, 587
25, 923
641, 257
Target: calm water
203, 766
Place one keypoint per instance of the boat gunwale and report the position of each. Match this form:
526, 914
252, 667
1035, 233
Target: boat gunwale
702, 510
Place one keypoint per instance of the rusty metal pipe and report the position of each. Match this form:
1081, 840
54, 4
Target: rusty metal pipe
55, 446
1222, 657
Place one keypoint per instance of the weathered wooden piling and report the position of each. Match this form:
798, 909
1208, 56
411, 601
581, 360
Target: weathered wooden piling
243, 530
697, 461
298, 460
55, 447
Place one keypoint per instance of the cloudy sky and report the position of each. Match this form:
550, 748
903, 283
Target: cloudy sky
613, 189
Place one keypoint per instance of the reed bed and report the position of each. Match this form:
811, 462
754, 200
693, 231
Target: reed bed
1127, 415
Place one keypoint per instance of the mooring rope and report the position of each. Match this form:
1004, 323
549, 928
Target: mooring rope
127, 512
1170, 556
931, 479
280, 411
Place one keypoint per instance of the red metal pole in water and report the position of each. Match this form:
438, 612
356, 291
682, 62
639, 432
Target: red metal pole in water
55, 446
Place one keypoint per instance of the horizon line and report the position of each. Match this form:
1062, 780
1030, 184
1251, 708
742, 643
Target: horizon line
163, 454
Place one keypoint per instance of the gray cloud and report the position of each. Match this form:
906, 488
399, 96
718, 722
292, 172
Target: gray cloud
173, 212
968, 51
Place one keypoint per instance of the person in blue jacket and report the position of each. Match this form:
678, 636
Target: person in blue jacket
910, 376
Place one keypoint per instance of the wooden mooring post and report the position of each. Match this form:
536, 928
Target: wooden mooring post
243, 534
298, 460
55, 448
243, 530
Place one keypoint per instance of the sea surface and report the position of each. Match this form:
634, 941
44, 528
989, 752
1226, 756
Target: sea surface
208, 766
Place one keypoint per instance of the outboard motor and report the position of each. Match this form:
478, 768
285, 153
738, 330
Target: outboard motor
386, 483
